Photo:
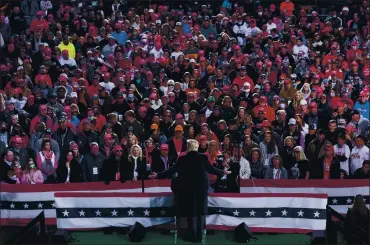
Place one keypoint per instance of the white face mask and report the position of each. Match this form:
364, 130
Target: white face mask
247, 90
282, 106
354, 47
332, 94
260, 13
240, 22
13, 177
171, 88
153, 102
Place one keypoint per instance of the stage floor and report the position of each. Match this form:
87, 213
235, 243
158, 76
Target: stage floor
155, 237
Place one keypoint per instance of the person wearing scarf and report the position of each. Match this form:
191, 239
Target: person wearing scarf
46, 162
149, 147
276, 169
136, 168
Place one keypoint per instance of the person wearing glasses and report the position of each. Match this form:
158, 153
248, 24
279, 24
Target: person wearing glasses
301, 168
113, 168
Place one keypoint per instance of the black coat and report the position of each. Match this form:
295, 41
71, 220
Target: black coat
75, 172
193, 183
128, 170
316, 171
111, 166
172, 151
229, 184
5, 168
68, 138
158, 164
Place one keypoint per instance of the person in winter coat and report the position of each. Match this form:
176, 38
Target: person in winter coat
114, 167
288, 91
64, 135
136, 168
256, 166
31, 175
92, 163
69, 170
30, 8
46, 161
327, 167
268, 149
276, 169
239, 157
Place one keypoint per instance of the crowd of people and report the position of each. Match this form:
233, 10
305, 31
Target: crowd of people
112, 90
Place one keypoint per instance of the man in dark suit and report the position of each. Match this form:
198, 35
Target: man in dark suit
191, 194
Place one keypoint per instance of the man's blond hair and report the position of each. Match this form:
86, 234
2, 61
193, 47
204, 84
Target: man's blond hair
192, 145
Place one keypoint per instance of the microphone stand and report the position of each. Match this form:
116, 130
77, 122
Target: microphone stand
143, 183
238, 177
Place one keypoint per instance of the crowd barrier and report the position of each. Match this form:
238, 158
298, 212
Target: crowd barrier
21, 203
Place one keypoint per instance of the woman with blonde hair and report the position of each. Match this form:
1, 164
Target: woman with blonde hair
212, 151
301, 168
305, 90
295, 103
136, 167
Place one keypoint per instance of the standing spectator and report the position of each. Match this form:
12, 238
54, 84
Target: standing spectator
342, 153
31, 175
301, 168
275, 170
92, 163
268, 148
328, 167
114, 166
359, 154
47, 162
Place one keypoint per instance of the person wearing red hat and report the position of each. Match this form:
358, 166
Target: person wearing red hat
161, 160
330, 56
115, 166
354, 53
39, 24
66, 59
363, 105
265, 108
243, 78
41, 117
107, 84
288, 91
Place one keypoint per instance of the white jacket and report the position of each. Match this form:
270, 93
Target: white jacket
245, 170
242, 29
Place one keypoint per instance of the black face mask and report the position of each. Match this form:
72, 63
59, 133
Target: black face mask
3, 130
